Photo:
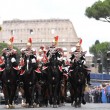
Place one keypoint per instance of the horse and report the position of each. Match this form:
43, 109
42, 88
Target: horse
63, 86
54, 79
77, 80
28, 79
9, 81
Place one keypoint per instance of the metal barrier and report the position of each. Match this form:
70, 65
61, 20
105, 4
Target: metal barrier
100, 76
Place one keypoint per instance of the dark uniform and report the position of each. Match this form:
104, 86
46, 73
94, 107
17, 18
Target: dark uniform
79, 55
28, 55
11, 54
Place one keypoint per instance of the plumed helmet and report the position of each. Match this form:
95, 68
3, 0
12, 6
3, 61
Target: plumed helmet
29, 43
40, 50
10, 42
79, 43
42, 47
56, 40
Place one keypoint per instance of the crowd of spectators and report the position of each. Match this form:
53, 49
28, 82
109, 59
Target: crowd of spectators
98, 94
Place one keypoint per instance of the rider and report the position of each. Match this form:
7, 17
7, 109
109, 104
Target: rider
25, 53
79, 54
57, 52
11, 53
53, 48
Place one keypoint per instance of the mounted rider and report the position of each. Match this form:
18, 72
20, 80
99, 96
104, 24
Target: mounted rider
56, 52
77, 55
42, 58
11, 53
28, 55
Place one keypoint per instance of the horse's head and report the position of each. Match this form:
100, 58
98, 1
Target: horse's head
8, 63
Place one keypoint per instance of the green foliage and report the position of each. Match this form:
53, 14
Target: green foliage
99, 50
100, 10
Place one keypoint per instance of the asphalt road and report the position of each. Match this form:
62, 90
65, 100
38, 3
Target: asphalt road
88, 106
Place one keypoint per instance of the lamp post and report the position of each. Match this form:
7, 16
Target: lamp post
108, 61
100, 65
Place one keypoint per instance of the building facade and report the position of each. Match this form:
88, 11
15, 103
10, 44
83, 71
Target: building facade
41, 31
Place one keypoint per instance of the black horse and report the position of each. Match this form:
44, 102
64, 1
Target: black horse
28, 79
9, 81
77, 80
54, 78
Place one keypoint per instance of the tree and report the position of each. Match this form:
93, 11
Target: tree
100, 50
100, 10
97, 42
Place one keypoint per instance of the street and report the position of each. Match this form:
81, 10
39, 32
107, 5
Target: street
88, 106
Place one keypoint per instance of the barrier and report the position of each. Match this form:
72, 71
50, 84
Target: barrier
100, 76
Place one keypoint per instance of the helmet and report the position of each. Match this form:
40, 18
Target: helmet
79, 43
40, 51
42, 47
29, 43
10, 42
55, 41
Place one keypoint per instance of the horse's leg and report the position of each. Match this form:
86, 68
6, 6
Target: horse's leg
6, 95
83, 99
75, 96
55, 96
63, 94
58, 96
50, 95
80, 96
32, 96
46, 97
27, 96
72, 95
12, 95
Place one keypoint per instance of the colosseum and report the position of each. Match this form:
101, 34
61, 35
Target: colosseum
41, 31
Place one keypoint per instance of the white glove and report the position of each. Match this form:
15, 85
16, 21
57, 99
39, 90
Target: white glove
33, 60
13, 60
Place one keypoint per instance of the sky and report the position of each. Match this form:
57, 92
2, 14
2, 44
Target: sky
89, 30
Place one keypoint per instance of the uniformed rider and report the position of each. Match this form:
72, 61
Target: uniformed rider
42, 58
28, 55
78, 54
11, 53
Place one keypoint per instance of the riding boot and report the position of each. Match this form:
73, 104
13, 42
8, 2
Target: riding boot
83, 99
88, 79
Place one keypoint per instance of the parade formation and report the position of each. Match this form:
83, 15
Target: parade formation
43, 77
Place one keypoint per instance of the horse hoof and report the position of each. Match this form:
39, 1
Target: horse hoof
7, 106
46, 105
30, 106
24, 105
54, 106
59, 105
72, 105
37, 106
50, 105
34, 104
11, 106
83, 102
79, 105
